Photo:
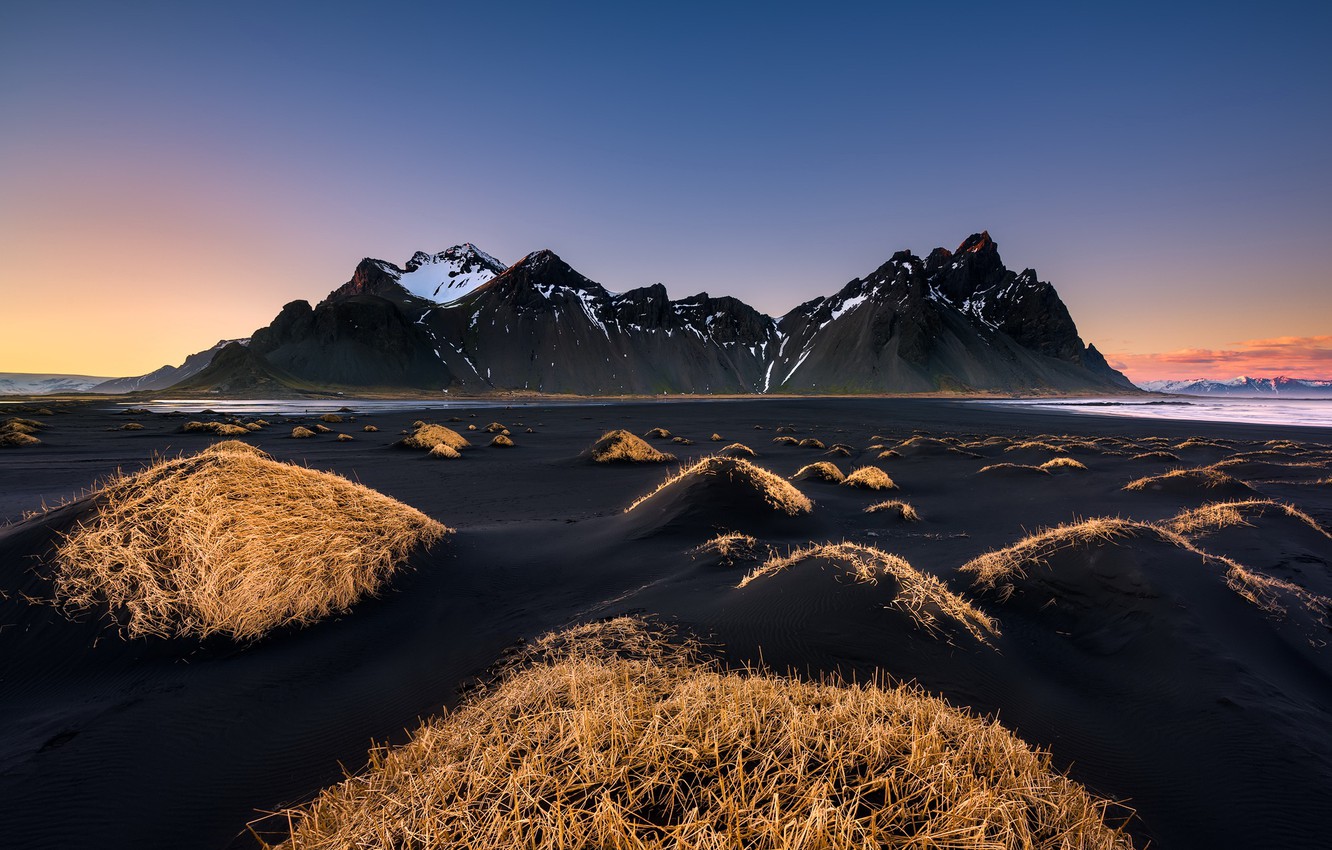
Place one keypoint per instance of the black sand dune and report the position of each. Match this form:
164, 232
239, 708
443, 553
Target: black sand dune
1138, 665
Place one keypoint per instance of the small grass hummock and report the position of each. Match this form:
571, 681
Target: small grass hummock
300, 432
427, 436
741, 478
902, 510
738, 450
1060, 464
869, 478
501, 442
229, 541
811, 443
1197, 479
730, 547
1013, 469
922, 597
621, 446
443, 451
821, 471
657, 434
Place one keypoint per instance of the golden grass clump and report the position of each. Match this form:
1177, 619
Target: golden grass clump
501, 442
1161, 455
869, 478
997, 569
428, 436
131, 426
17, 439
778, 494
683, 441
716, 438
221, 429
730, 547
811, 443
658, 434
922, 597
321, 429
331, 418
494, 428
821, 471
738, 450
369, 429
444, 451
625, 752
903, 510
889, 454
230, 541
621, 446
301, 433
345, 438
1219, 515
1036, 445
1203, 477
1060, 463
18, 425
786, 441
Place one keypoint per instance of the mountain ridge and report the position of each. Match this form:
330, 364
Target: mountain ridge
457, 320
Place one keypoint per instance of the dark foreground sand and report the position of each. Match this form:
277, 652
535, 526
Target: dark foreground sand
1150, 680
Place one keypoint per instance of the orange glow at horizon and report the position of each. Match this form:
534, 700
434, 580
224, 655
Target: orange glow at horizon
1308, 357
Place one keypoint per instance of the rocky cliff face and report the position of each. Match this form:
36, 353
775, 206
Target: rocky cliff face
955, 321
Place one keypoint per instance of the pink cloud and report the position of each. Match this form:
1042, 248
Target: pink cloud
1293, 356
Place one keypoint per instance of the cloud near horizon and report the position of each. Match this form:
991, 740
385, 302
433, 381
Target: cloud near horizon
1308, 357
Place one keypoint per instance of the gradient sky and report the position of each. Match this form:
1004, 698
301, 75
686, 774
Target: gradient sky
172, 173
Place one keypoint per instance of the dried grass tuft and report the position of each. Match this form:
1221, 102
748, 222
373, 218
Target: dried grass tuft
786, 441
869, 478
924, 598
1202, 477
998, 569
1219, 515
444, 451
230, 541
738, 450
501, 442
1056, 463
811, 443
730, 547
903, 510
822, 471
428, 436
779, 495
658, 434
301, 433
588, 751
621, 446
369, 429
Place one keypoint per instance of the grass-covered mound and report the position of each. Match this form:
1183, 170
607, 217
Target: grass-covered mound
869, 478
426, 436
622, 446
229, 541
926, 600
1203, 480
823, 470
651, 749
719, 491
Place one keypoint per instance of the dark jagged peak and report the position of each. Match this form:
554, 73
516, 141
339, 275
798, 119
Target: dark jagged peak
725, 320
978, 243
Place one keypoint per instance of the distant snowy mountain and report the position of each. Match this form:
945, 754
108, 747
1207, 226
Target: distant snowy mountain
160, 379
24, 383
1245, 387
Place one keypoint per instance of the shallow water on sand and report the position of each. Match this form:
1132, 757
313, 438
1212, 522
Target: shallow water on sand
1255, 411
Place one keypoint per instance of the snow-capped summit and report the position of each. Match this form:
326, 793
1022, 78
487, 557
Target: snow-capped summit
449, 275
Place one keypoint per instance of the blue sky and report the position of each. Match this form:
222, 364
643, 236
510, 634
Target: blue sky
1164, 168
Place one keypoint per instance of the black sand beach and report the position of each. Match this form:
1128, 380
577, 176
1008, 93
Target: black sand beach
1147, 675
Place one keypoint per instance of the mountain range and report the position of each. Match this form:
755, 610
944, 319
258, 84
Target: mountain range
462, 321
1245, 387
